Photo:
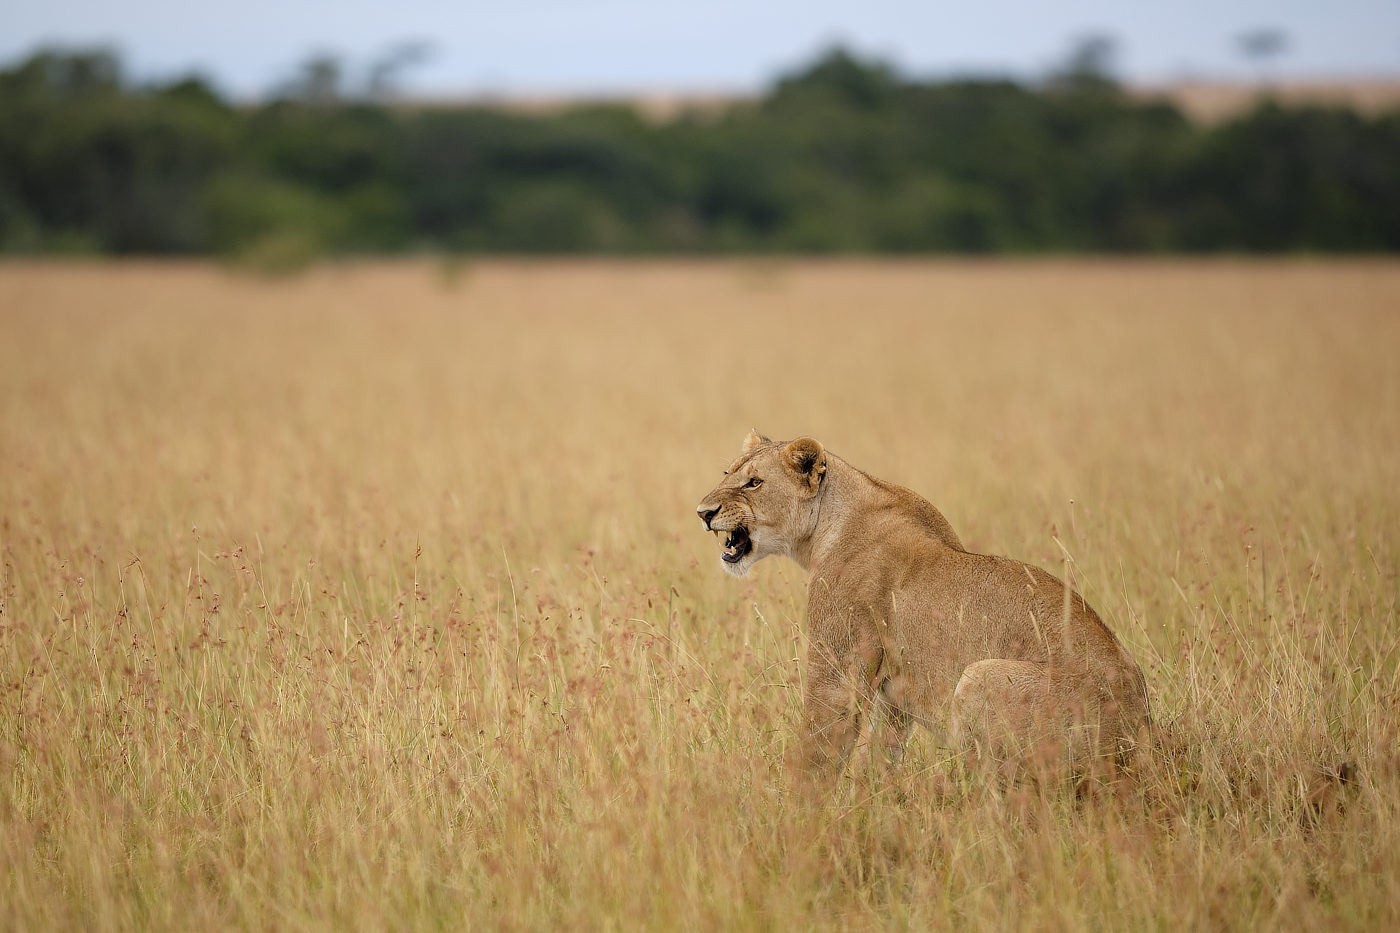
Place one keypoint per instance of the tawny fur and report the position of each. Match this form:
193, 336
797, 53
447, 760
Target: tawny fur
907, 626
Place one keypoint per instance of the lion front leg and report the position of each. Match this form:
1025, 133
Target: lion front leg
839, 691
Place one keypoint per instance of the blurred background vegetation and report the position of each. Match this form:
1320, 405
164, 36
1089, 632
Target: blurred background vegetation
844, 155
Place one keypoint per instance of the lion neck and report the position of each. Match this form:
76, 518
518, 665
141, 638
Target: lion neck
841, 510
845, 493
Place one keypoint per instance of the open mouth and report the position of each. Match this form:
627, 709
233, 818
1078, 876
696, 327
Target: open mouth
737, 546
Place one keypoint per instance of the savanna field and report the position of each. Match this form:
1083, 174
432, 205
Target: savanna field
375, 596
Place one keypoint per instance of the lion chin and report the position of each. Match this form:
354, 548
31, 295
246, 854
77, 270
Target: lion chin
740, 569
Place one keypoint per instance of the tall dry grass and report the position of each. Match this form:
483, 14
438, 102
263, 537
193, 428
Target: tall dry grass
376, 598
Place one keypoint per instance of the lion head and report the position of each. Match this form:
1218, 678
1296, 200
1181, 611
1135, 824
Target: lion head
767, 501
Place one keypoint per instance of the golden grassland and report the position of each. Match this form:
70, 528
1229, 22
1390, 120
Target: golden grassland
375, 597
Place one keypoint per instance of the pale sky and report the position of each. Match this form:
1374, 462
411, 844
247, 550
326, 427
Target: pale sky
619, 46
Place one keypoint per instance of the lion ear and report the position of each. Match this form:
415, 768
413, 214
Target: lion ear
754, 440
807, 459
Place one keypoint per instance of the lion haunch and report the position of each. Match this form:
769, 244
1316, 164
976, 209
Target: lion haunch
907, 626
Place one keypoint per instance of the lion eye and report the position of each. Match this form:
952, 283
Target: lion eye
753, 483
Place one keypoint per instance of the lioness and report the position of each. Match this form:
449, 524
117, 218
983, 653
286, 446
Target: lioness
907, 626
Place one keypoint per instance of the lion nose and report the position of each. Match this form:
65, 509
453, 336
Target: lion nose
707, 514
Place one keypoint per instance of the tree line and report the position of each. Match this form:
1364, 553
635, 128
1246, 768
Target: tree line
844, 155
